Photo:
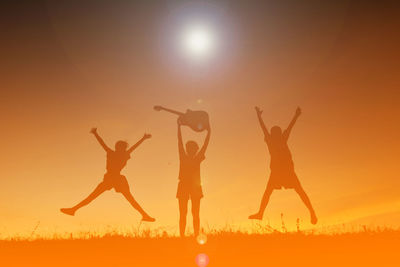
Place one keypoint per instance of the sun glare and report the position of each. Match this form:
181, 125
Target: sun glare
198, 42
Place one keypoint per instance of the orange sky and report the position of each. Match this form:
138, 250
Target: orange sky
69, 68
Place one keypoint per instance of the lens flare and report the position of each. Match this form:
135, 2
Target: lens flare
202, 260
201, 239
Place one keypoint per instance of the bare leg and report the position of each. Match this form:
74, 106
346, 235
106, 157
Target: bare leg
96, 192
299, 190
183, 203
130, 198
196, 216
264, 202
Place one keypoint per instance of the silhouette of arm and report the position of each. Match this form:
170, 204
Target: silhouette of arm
180, 142
206, 141
286, 133
145, 136
260, 120
100, 140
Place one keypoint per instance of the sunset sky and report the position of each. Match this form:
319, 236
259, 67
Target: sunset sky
68, 66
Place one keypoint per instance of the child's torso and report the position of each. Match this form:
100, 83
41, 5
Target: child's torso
116, 161
189, 171
281, 157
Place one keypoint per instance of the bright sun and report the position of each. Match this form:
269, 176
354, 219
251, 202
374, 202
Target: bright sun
198, 41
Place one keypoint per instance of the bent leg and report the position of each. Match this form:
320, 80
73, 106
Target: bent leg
145, 217
183, 202
196, 215
300, 191
264, 202
96, 192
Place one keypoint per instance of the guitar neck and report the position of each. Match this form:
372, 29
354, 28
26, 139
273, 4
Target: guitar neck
172, 111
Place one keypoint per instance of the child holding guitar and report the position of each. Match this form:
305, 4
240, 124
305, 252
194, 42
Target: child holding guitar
189, 186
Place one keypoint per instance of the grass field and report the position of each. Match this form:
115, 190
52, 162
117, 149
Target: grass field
223, 249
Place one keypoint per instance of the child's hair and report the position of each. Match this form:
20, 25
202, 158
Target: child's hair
121, 145
276, 131
192, 147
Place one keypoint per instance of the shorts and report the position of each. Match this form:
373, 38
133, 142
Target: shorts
189, 191
283, 179
116, 181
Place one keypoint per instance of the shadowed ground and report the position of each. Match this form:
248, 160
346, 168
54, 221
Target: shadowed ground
223, 249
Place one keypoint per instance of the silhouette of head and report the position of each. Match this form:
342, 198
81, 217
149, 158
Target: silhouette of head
276, 132
121, 146
191, 148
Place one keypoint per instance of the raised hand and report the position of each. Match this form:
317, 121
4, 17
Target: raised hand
259, 111
298, 111
99, 139
179, 121
146, 136
93, 131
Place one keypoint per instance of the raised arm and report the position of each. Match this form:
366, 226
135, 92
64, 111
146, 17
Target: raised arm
145, 136
260, 120
206, 141
180, 142
100, 140
286, 133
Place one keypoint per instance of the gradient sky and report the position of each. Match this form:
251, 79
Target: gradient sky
70, 65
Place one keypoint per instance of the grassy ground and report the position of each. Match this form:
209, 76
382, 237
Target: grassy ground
223, 249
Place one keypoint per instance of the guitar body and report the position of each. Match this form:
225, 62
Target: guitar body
197, 120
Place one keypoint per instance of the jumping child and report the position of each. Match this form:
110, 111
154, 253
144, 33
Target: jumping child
116, 161
282, 167
189, 186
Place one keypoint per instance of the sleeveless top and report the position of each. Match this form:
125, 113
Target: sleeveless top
189, 170
116, 161
281, 157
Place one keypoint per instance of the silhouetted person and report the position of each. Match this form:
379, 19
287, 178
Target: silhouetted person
282, 167
116, 161
189, 186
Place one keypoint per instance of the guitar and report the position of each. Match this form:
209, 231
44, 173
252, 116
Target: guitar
197, 120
